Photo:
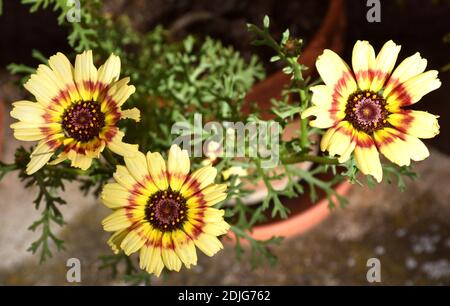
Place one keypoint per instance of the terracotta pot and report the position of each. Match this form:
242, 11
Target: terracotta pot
329, 36
303, 215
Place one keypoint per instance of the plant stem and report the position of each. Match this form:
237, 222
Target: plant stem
293, 159
109, 157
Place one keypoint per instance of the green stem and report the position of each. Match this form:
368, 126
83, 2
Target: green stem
109, 157
294, 159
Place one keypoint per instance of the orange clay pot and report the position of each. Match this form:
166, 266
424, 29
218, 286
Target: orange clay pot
304, 215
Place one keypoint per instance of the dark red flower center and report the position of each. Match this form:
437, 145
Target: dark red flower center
83, 120
166, 210
366, 111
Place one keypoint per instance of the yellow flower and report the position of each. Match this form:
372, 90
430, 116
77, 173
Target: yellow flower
76, 112
364, 111
163, 211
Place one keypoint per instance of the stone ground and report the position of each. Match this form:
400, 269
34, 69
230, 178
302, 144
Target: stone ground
409, 232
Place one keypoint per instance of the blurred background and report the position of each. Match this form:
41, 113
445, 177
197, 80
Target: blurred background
408, 231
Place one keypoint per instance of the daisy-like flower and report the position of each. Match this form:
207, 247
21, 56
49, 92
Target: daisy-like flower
364, 109
76, 112
164, 211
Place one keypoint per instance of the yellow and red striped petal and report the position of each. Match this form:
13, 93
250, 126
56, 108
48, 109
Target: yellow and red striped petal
117, 221
115, 196
169, 257
337, 75
108, 73
340, 140
209, 196
157, 170
363, 63
198, 180
367, 157
136, 238
325, 118
384, 63
416, 123
400, 148
64, 70
118, 93
85, 75
178, 167
408, 68
150, 255
184, 248
413, 90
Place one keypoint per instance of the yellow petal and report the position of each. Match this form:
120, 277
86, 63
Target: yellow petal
115, 196
384, 63
135, 239
413, 90
157, 170
208, 244
85, 75
363, 62
137, 165
109, 72
367, 157
416, 123
39, 157
198, 180
116, 221
408, 68
133, 113
178, 167
121, 148
169, 257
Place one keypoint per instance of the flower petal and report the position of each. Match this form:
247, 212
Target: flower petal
400, 148
413, 90
157, 170
367, 157
384, 63
416, 123
208, 244
408, 68
39, 157
341, 142
198, 180
137, 165
121, 148
178, 167
133, 113
324, 118
169, 257
85, 75
363, 62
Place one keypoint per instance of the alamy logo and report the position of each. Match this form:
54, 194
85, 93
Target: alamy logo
374, 13
74, 13
234, 139
374, 273
73, 274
